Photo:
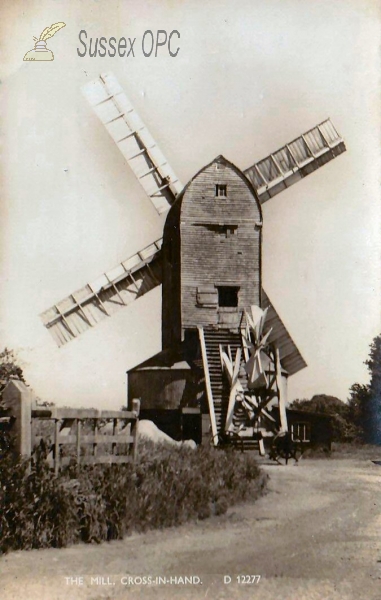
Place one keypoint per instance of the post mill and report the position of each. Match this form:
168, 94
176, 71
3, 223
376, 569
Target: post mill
224, 347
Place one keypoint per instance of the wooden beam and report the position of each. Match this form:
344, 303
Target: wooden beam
99, 299
116, 289
209, 392
82, 312
78, 441
281, 398
292, 155
275, 162
56, 446
64, 320
308, 146
260, 175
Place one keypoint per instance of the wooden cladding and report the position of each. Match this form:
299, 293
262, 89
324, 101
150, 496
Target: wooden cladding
219, 246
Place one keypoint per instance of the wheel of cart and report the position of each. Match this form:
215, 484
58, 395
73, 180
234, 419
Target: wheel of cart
283, 448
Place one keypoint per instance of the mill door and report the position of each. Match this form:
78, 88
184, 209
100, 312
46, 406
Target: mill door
228, 314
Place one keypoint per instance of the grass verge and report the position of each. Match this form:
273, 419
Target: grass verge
345, 450
167, 487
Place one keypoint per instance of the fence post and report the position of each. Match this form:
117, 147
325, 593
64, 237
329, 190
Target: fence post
17, 399
56, 446
135, 427
78, 448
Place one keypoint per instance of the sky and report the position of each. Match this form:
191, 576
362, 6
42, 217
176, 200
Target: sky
249, 77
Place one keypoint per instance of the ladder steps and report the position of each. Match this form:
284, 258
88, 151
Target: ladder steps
214, 339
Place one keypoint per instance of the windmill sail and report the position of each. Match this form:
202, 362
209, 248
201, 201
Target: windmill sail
132, 137
290, 356
120, 286
295, 160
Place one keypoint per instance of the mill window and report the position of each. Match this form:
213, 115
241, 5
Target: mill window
230, 230
301, 432
221, 190
227, 295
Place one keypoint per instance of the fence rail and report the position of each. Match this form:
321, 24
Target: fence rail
83, 436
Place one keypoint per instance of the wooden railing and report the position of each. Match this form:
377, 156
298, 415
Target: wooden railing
69, 435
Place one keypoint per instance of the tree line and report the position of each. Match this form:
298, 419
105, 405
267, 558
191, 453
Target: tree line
358, 419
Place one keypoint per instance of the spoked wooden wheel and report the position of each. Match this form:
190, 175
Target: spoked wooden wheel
286, 457
285, 450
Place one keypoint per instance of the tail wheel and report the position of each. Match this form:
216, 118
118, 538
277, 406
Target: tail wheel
283, 449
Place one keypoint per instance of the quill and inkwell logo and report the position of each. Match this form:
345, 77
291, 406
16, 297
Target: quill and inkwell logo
40, 51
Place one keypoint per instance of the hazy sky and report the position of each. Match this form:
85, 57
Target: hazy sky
249, 77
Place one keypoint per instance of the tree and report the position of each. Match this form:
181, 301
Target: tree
365, 400
320, 403
9, 368
358, 408
374, 365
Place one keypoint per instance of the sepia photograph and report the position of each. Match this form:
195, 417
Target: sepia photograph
190, 332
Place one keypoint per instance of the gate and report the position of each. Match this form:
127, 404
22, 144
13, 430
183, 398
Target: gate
82, 436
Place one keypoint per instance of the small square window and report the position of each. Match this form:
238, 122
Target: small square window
221, 190
230, 230
227, 296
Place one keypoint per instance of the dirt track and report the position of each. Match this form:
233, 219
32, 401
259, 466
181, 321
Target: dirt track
316, 535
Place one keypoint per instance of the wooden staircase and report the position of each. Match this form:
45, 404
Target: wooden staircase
217, 386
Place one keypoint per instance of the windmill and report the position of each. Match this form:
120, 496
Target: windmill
204, 308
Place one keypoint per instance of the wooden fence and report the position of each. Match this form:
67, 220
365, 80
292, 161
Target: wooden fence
83, 436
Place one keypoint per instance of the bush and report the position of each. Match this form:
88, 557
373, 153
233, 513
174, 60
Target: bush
167, 486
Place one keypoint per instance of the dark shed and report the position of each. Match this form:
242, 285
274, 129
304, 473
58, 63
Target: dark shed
164, 381
312, 429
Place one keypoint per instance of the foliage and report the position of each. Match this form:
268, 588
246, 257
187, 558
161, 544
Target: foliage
359, 408
365, 400
35, 510
167, 486
359, 420
9, 368
343, 428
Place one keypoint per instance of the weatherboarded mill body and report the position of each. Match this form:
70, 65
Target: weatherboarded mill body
211, 253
